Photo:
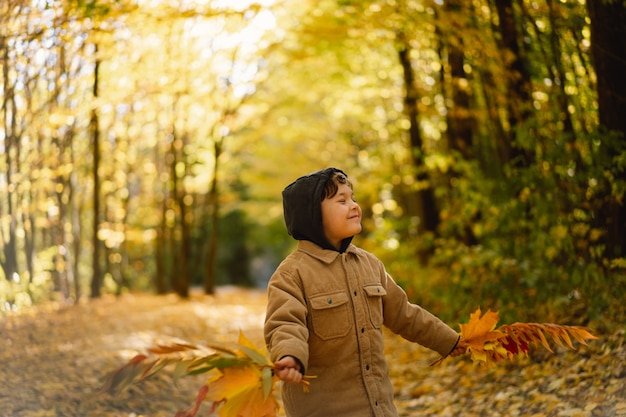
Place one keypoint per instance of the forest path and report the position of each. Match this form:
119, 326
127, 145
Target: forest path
52, 360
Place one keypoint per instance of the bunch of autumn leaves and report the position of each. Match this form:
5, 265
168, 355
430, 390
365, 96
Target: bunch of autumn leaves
240, 381
487, 344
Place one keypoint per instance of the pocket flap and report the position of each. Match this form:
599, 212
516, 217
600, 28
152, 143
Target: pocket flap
375, 290
330, 300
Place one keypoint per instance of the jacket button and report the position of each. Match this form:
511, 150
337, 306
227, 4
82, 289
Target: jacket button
362, 329
329, 301
367, 367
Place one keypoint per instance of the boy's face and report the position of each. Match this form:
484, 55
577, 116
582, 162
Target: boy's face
341, 216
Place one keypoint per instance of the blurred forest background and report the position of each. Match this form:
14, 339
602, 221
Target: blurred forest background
144, 145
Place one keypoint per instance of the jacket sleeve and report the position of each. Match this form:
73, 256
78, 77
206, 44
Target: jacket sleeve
285, 330
413, 322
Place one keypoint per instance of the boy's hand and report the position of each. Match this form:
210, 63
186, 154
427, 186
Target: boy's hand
288, 369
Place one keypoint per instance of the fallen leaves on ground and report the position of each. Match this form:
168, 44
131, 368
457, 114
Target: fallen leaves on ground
52, 362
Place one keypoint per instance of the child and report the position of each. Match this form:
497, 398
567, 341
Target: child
327, 303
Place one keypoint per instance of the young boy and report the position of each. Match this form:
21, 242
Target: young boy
327, 303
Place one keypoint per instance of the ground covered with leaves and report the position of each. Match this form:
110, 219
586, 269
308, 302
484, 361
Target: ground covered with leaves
53, 360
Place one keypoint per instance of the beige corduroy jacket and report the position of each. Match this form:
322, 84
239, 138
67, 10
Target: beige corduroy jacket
327, 309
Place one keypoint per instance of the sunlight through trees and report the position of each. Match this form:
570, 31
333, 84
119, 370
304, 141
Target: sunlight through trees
145, 143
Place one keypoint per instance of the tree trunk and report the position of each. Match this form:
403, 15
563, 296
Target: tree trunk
76, 227
518, 83
459, 119
9, 110
160, 243
180, 275
426, 207
96, 279
214, 206
57, 224
160, 251
185, 233
608, 47
457, 86
559, 75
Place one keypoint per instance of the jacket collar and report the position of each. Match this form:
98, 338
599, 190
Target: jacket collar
324, 255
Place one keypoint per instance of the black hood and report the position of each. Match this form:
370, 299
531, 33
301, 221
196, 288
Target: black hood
302, 206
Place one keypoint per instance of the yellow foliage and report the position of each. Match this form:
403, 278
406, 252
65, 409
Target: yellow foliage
241, 392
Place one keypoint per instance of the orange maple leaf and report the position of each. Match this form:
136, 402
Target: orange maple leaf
480, 338
480, 330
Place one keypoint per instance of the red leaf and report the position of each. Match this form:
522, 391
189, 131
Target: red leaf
175, 347
201, 396
124, 376
510, 346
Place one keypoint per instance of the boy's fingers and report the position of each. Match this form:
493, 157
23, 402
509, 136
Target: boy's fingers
288, 370
287, 362
289, 374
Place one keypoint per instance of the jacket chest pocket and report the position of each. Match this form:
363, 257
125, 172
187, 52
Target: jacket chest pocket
375, 295
330, 315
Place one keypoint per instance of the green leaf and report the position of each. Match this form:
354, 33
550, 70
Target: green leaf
181, 370
201, 370
156, 367
223, 350
267, 382
222, 363
255, 355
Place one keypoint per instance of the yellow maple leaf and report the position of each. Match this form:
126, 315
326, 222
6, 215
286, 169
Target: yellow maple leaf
241, 393
248, 349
